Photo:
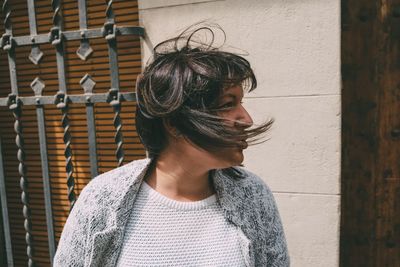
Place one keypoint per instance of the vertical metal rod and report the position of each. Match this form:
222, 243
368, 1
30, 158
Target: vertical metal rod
62, 103
35, 55
6, 222
84, 50
92, 140
13, 73
15, 105
88, 84
32, 17
119, 153
42, 135
57, 40
82, 14
8, 45
110, 35
61, 98
46, 181
69, 168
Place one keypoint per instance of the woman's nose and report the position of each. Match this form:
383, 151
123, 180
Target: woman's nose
244, 119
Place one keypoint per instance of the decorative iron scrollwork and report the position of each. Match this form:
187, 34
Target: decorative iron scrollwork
36, 55
109, 30
55, 35
114, 97
85, 50
61, 100
15, 105
87, 84
7, 42
37, 86
13, 102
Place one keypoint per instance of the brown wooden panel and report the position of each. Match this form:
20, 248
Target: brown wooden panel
370, 213
98, 67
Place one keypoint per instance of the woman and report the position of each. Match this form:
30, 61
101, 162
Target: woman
188, 203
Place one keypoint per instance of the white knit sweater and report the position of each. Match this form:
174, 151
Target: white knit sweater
164, 232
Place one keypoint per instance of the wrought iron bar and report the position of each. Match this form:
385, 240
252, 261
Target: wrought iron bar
76, 35
8, 44
82, 14
88, 84
61, 98
118, 135
36, 55
37, 85
84, 51
46, 181
4, 205
109, 31
76, 99
14, 104
56, 37
115, 101
92, 140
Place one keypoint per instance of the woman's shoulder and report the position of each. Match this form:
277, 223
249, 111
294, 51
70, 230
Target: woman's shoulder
255, 190
120, 173
111, 184
90, 210
252, 180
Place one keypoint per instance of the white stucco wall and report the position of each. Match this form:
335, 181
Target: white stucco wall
294, 48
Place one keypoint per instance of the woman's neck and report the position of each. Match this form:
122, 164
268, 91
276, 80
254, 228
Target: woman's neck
179, 178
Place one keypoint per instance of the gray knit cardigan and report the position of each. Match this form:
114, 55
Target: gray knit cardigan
94, 231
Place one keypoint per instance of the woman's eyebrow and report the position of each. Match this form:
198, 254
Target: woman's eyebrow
229, 95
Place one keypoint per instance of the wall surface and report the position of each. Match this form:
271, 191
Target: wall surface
294, 48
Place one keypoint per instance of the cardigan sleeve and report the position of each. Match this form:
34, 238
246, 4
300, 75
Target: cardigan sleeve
72, 245
277, 250
275, 243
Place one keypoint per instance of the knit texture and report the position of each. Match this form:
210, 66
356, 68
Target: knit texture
165, 232
94, 231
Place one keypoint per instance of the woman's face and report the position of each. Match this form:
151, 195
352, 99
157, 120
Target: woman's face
231, 100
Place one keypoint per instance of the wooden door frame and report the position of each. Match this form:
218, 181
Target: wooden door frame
370, 175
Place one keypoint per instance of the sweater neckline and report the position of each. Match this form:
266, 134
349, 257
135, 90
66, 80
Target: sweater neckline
176, 204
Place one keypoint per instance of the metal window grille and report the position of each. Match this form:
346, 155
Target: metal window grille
58, 38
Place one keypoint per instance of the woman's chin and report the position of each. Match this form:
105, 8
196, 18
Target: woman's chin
241, 156
237, 157
229, 157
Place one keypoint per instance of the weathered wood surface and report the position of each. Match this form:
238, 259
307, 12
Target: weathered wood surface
370, 223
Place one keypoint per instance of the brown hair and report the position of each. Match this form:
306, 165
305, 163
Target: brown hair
182, 85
